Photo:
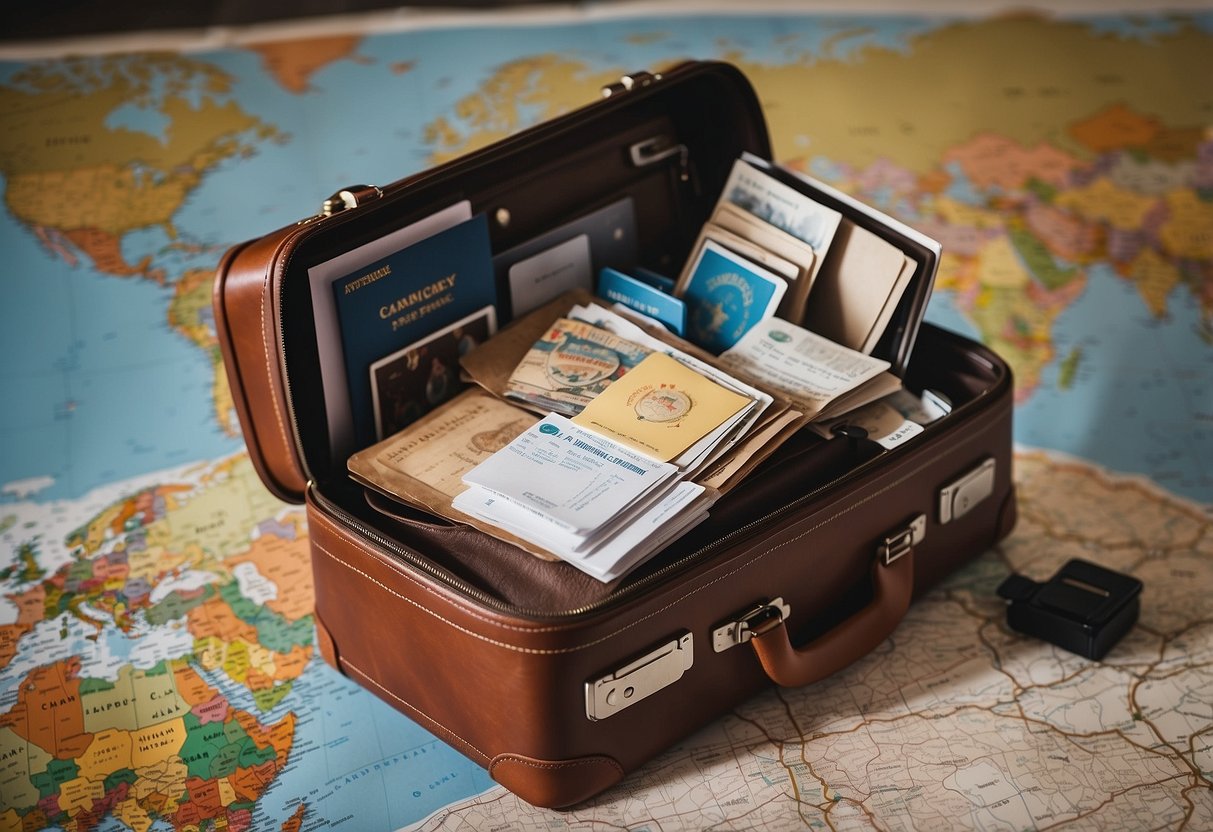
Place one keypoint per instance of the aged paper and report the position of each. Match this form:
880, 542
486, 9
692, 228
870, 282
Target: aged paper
819, 376
424, 464
661, 408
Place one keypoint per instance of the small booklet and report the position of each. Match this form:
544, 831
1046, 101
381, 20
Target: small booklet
398, 302
822, 378
726, 295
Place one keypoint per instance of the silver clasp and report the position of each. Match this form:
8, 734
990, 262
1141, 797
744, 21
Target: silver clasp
624, 687
899, 543
754, 621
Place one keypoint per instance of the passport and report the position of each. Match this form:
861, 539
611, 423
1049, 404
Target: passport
406, 297
618, 287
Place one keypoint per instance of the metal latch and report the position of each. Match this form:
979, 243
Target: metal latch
743, 627
663, 666
350, 197
958, 498
658, 149
900, 542
635, 80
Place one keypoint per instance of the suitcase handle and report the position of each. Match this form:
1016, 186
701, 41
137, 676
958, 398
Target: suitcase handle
791, 666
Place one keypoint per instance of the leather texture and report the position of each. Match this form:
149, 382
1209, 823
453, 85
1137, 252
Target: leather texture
557, 784
493, 650
791, 667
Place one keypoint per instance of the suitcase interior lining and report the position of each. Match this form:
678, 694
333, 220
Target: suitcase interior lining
571, 170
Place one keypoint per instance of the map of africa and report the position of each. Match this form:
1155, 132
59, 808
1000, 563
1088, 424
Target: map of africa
157, 663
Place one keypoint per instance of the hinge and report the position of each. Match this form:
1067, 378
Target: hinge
348, 198
634, 81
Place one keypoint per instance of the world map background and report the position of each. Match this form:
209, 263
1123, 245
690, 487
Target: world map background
155, 634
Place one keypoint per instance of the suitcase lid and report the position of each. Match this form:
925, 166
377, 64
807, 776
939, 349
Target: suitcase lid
669, 138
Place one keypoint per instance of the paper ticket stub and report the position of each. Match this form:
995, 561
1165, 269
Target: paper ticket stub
574, 477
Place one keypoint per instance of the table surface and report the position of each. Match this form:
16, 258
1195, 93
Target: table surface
157, 655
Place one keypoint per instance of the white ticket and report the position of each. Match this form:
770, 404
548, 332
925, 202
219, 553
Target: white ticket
577, 479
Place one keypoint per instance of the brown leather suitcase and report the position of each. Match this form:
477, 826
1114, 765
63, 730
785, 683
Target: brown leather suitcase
558, 684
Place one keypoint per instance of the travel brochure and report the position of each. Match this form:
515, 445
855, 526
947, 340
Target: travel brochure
594, 434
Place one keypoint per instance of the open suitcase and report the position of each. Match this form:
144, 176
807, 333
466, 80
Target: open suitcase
558, 684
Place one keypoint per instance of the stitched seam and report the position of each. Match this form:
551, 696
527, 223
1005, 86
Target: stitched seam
445, 620
612, 634
412, 709
269, 368
594, 761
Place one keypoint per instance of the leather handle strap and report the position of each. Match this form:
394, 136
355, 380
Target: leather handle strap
856, 637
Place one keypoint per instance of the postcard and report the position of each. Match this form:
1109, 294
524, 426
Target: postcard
747, 226
618, 287
404, 297
541, 277
328, 327
578, 479
611, 233
413, 381
782, 206
661, 408
820, 377
726, 295
570, 364
424, 464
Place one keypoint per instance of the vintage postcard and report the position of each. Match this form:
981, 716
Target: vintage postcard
747, 226
424, 464
661, 408
570, 364
782, 206
410, 383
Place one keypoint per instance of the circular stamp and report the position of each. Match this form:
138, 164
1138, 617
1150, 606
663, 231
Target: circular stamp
662, 405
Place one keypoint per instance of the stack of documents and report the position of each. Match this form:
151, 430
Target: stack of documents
769, 249
592, 502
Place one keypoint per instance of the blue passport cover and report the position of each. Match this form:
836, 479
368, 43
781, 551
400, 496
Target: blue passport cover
618, 287
399, 300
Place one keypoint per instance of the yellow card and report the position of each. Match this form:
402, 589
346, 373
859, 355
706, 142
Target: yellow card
660, 408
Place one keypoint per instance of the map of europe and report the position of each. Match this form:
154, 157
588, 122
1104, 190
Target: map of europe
157, 663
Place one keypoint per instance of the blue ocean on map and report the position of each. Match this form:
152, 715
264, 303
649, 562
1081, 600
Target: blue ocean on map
97, 386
